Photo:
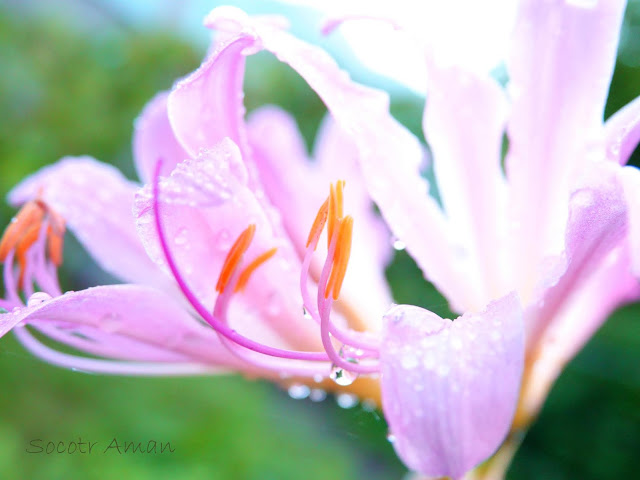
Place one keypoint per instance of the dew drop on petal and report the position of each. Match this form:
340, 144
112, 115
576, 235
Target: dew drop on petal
429, 361
391, 438
223, 240
181, 237
346, 400
298, 391
318, 378
38, 298
110, 322
409, 360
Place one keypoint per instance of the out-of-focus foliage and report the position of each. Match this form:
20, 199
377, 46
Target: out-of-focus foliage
68, 91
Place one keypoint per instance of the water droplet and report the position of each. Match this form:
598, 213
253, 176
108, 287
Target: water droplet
443, 370
181, 237
346, 400
391, 438
317, 395
456, 343
110, 322
223, 240
429, 361
318, 378
298, 391
306, 314
409, 360
342, 377
398, 244
38, 298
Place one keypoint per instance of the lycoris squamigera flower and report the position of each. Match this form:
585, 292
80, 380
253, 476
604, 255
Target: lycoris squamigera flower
221, 264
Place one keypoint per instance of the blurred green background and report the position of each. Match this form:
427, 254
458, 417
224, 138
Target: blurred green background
69, 87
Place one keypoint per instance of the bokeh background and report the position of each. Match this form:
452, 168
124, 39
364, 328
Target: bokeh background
73, 77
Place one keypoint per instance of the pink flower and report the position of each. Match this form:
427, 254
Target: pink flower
536, 258
559, 226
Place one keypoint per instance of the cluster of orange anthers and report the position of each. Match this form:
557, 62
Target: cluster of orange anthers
331, 214
234, 257
25, 229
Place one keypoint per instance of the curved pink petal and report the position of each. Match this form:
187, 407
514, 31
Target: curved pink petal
207, 106
153, 139
597, 225
117, 320
205, 205
449, 389
582, 313
622, 132
96, 201
297, 187
560, 68
464, 123
390, 163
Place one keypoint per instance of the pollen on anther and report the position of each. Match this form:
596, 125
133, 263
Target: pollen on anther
244, 276
29, 216
234, 256
340, 258
335, 207
318, 223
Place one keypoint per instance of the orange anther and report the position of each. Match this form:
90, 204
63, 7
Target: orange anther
30, 215
318, 223
54, 245
29, 238
234, 256
335, 208
340, 258
339, 197
243, 279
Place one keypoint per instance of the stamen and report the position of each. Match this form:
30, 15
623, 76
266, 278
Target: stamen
318, 224
340, 258
243, 278
26, 241
219, 326
55, 237
335, 208
234, 256
29, 215
339, 197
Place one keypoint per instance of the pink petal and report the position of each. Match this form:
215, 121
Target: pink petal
622, 132
153, 139
96, 202
449, 389
630, 177
120, 316
206, 106
464, 123
597, 226
297, 187
560, 68
205, 205
581, 314
390, 162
